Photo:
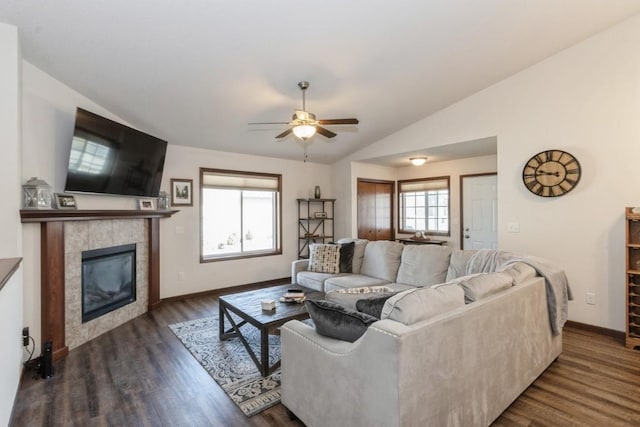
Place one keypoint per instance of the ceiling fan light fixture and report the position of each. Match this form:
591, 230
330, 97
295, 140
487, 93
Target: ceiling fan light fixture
418, 161
304, 131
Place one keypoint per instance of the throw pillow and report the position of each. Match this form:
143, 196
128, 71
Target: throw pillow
415, 305
335, 321
324, 258
346, 256
482, 285
373, 305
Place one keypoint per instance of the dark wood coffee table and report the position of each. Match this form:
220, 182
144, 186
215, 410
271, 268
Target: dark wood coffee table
246, 305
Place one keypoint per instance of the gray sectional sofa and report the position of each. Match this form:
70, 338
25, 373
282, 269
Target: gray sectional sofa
421, 365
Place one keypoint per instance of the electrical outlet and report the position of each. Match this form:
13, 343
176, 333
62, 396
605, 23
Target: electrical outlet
181, 275
25, 336
591, 298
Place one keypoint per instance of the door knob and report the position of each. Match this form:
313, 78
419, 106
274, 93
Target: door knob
466, 229
466, 236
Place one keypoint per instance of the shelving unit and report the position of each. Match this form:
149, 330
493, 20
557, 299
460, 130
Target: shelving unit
632, 339
315, 223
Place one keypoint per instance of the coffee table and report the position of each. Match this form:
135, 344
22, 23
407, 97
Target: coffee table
246, 305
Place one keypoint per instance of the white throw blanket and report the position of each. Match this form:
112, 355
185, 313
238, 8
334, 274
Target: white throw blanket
557, 285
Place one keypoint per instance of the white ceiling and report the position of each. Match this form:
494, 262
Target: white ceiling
196, 72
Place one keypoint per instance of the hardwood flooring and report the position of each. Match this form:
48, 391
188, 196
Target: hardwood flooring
139, 374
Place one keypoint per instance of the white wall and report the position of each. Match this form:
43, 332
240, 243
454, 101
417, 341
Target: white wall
48, 118
585, 100
181, 252
11, 352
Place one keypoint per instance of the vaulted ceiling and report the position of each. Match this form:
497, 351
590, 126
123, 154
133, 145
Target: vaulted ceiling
196, 72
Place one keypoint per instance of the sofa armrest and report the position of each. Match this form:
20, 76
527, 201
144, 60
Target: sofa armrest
340, 375
296, 267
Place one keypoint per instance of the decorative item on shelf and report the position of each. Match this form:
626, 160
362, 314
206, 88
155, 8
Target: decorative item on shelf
65, 201
146, 204
316, 192
311, 235
322, 215
181, 192
163, 200
36, 194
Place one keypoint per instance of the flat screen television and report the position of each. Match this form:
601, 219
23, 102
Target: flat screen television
107, 157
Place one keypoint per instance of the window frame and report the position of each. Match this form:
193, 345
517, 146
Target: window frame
401, 216
277, 223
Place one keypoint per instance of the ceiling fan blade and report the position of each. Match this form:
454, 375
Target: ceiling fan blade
339, 122
325, 132
268, 123
285, 133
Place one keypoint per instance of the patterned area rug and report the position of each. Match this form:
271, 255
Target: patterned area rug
229, 363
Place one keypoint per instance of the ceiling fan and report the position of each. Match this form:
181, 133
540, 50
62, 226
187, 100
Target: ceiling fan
304, 124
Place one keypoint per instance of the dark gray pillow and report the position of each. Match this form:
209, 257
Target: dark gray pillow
335, 321
346, 256
373, 306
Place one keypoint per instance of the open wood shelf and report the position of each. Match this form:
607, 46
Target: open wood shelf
632, 285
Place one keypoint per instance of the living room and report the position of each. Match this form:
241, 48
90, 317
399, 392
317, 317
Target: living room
584, 98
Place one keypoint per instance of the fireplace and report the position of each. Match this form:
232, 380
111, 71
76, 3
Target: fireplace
108, 280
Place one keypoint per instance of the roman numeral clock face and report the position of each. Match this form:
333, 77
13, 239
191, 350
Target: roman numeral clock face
551, 173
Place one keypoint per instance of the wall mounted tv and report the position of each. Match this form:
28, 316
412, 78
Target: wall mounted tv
110, 158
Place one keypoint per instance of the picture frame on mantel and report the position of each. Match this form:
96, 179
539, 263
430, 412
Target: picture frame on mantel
146, 204
181, 192
65, 201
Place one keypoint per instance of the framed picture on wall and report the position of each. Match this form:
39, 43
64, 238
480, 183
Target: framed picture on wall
181, 192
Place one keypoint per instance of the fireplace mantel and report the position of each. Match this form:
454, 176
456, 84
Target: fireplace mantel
48, 215
52, 262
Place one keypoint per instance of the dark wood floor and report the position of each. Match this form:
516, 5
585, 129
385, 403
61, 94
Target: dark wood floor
141, 375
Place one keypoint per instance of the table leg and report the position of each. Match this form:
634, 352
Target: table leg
264, 351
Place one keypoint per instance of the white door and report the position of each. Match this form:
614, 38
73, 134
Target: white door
479, 211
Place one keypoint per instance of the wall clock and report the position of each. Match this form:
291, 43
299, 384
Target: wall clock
551, 173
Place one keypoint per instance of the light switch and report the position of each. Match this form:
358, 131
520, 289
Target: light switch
179, 229
513, 227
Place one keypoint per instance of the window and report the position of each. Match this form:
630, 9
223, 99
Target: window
240, 214
424, 205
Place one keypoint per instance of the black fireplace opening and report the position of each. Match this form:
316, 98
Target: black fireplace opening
108, 280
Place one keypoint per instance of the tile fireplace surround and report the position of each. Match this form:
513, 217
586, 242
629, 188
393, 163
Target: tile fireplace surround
64, 235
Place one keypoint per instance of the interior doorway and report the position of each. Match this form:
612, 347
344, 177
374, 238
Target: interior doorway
479, 211
375, 209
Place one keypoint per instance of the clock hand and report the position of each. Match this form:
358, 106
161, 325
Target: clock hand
547, 173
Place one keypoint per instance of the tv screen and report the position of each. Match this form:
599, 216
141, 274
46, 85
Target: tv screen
110, 158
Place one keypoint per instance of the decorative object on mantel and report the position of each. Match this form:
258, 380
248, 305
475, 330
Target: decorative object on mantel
316, 192
36, 194
181, 192
65, 201
163, 200
146, 204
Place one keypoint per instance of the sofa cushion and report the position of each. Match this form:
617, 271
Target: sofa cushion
419, 304
519, 271
479, 286
382, 259
351, 281
312, 280
358, 252
349, 296
335, 321
324, 258
458, 263
424, 265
